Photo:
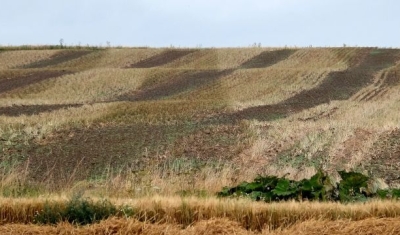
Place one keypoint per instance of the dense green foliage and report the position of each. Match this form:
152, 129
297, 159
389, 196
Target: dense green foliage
77, 211
352, 187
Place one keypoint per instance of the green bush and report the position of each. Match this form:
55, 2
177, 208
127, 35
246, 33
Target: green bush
85, 211
78, 210
352, 187
52, 213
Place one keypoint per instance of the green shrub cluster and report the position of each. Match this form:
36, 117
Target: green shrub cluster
77, 210
352, 187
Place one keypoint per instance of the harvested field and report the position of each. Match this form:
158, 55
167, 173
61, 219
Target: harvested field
385, 160
186, 81
20, 58
17, 110
33, 77
61, 57
267, 58
161, 59
337, 86
178, 125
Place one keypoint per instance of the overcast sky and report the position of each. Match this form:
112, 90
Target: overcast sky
209, 23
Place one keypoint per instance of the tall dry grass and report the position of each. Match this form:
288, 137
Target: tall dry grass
246, 215
214, 226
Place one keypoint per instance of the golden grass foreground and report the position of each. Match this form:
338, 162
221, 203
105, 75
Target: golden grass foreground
387, 226
193, 215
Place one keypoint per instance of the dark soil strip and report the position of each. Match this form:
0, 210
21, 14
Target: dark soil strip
59, 58
33, 109
337, 86
161, 59
79, 153
385, 157
34, 77
267, 58
184, 82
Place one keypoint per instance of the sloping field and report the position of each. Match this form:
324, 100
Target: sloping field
163, 58
266, 87
137, 122
336, 86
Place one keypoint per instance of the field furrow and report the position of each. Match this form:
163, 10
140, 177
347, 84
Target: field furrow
336, 86
7, 85
56, 59
163, 58
17, 110
267, 58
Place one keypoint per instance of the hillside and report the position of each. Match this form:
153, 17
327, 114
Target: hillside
194, 119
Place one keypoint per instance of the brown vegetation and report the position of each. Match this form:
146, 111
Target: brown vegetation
135, 122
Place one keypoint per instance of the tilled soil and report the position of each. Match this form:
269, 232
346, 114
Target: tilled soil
337, 86
81, 153
267, 58
17, 110
7, 85
386, 80
385, 158
186, 81
162, 58
59, 58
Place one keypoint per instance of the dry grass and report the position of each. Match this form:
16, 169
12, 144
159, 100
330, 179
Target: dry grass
340, 132
89, 86
12, 59
303, 70
109, 58
41, 125
344, 137
216, 58
214, 226
198, 216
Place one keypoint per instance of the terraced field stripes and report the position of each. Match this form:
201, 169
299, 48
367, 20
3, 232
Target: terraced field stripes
267, 58
18, 110
59, 58
161, 59
182, 82
337, 86
7, 85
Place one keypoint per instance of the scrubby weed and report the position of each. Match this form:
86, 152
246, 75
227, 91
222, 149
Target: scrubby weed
77, 210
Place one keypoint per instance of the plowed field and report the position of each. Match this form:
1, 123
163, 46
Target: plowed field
174, 105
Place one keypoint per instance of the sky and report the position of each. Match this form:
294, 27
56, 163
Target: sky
201, 23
